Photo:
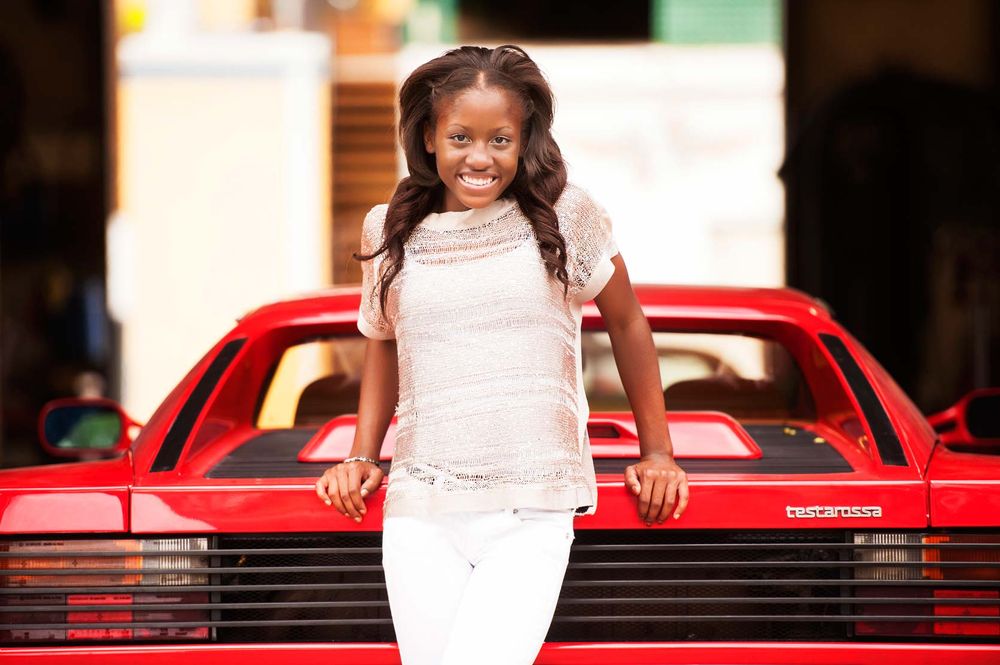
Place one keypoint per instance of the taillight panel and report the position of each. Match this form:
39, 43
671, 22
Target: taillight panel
103, 589
936, 584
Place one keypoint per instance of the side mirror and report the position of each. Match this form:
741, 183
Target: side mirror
973, 421
85, 429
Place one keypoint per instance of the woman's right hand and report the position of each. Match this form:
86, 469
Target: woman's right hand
345, 486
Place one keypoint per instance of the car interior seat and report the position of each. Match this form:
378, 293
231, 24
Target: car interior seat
326, 398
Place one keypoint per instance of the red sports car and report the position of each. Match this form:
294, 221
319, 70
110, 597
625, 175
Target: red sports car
829, 522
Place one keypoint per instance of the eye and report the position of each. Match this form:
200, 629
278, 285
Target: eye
502, 140
461, 138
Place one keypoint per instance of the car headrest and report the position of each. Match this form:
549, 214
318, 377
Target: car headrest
326, 398
739, 397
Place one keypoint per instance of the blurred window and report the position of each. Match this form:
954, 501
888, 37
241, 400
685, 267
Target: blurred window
746, 377
313, 382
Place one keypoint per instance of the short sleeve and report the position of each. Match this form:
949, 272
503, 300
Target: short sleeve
371, 322
590, 244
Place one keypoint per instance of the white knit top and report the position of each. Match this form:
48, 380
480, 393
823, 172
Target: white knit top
492, 413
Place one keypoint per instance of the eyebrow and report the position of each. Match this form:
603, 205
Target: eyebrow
454, 126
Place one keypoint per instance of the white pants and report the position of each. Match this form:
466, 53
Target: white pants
475, 587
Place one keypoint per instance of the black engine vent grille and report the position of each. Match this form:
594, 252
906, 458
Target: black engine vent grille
327, 587
640, 586
620, 585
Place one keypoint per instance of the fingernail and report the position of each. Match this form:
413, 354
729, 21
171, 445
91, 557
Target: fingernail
357, 519
649, 524
364, 491
329, 503
677, 516
659, 521
364, 512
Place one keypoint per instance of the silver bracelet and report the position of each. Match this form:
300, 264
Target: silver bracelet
361, 458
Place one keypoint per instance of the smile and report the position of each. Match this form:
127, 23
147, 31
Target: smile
477, 181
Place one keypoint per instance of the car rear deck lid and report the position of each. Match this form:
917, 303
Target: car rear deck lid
695, 435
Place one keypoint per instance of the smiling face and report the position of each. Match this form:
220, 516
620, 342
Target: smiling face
476, 141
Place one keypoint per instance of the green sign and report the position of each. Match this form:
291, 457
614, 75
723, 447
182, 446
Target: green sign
717, 21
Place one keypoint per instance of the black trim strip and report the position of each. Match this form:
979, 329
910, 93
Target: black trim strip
886, 440
180, 429
229, 588
781, 618
369, 586
629, 547
598, 565
673, 600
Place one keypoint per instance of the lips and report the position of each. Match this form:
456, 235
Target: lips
477, 180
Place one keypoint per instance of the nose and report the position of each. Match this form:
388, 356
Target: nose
479, 157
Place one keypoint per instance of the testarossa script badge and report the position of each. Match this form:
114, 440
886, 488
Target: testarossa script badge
805, 512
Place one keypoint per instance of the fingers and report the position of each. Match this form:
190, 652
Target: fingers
354, 492
372, 482
663, 491
632, 479
321, 487
669, 499
655, 497
344, 487
645, 495
333, 491
682, 497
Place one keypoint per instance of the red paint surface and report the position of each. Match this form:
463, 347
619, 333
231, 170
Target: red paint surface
86, 497
708, 653
695, 434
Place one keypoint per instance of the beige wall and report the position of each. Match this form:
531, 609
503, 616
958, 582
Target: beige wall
223, 190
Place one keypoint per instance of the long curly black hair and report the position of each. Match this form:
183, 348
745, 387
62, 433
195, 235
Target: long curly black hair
541, 172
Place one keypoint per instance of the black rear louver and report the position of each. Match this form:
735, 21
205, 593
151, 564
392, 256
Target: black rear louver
630, 586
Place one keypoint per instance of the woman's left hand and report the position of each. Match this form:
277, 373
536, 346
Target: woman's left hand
660, 485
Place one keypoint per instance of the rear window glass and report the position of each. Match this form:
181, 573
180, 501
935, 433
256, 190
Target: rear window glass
746, 377
313, 382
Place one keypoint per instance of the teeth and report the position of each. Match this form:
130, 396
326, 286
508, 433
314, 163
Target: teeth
477, 182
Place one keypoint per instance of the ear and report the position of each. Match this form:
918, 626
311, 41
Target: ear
429, 139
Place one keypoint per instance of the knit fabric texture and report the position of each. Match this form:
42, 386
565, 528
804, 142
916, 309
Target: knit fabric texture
492, 413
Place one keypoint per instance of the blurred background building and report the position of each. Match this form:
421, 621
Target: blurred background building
169, 164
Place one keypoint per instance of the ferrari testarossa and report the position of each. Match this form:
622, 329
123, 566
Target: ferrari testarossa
830, 521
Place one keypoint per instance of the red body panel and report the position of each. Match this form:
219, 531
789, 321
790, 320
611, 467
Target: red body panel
722, 503
87, 497
701, 434
710, 653
965, 488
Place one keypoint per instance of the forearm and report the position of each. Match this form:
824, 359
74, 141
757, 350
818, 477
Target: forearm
379, 394
639, 368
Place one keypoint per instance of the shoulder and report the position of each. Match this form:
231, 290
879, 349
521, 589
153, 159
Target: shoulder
575, 203
372, 229
579, 213
376, 216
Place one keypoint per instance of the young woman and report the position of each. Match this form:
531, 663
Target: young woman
473, 279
